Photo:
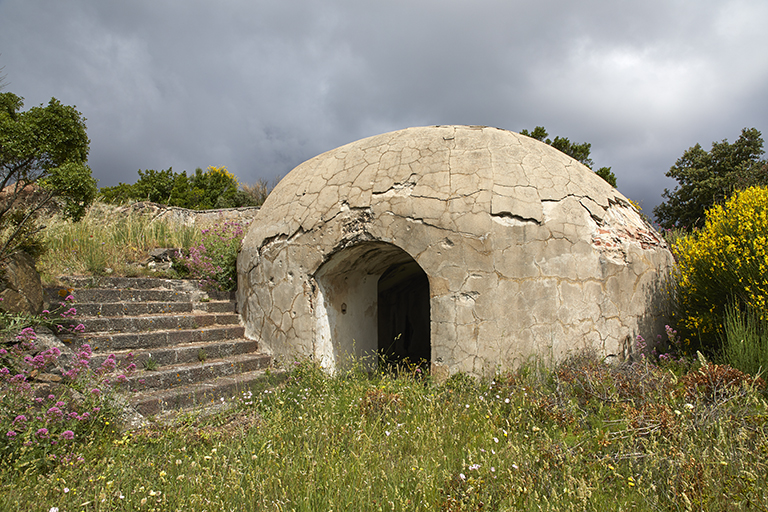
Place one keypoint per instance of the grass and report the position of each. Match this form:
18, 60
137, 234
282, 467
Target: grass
580, 436
87, 248
583, 436
745, 342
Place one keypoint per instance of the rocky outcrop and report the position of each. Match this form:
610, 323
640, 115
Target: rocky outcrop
21, 289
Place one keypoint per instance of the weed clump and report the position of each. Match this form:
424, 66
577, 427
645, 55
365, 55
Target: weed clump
719, 383
214, 259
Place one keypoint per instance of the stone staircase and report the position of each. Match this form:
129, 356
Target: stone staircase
187, 344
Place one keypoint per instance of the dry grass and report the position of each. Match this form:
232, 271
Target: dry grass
107, 240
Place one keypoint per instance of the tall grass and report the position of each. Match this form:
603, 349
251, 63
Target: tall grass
745, 343
106, 239
582, 436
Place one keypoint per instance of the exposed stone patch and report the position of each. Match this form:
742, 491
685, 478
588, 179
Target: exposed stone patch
526, 252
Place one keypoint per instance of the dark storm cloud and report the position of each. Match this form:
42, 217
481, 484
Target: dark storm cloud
261, 86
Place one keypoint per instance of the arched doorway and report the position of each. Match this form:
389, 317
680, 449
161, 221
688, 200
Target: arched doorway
371, 301
404, 323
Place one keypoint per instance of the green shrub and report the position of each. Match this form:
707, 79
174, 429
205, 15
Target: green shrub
215, 187
725, 262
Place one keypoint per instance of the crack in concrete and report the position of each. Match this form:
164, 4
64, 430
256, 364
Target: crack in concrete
408, 183
518, 218
417, 220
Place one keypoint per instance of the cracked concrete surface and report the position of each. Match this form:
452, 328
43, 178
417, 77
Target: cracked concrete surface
527, 252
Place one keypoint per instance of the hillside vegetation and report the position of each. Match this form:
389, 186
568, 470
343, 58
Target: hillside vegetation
581, 436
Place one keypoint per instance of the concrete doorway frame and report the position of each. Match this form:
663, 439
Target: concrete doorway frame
346, 302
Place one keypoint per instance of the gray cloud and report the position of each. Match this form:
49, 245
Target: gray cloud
261, 86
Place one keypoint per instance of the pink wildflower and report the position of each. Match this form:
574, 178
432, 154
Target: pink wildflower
54, 413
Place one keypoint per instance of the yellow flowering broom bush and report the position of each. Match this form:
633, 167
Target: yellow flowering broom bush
725, 262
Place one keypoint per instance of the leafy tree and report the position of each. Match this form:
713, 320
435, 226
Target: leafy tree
43, 154
155, 186
707, 178
118, 194
152, 185
607, 175
215, 187
181, 193
579, 152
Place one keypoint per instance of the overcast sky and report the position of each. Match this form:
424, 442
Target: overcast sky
262, 85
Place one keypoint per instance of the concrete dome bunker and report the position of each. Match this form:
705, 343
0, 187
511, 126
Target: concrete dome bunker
525, 252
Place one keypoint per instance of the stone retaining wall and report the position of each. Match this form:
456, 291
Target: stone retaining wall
189, 217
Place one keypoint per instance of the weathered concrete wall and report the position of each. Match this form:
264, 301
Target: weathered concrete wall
527, 252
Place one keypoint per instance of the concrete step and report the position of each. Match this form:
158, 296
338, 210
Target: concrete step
190, 373
112, 295
113, 309
150, 323
221, 295
178, 354
106, 341
216, 306
55, 295
151, 403
134, 283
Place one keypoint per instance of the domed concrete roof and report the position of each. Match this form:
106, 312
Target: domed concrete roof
471, 247
457, 177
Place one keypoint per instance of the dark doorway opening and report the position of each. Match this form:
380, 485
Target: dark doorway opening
403, 315
372, 303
